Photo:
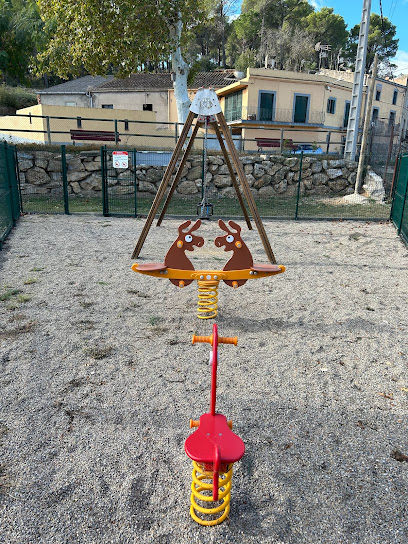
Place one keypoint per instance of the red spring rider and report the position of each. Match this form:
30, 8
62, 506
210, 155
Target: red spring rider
213, 448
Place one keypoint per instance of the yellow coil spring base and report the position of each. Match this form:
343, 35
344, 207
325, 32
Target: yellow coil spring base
224, 496
207, 299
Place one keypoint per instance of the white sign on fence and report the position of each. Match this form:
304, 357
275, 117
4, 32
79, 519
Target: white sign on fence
120, 159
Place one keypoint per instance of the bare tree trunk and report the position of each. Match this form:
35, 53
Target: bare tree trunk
180, 71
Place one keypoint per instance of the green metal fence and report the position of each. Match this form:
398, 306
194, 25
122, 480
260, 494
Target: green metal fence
70, 181
9, 191
399, 212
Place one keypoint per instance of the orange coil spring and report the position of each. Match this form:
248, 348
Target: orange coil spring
207, 299
202, 487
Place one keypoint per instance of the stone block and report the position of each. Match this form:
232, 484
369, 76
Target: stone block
291, 161
338, 163
187, 187
334, 173
22, 155
37, 176
92, 166
146, 187
320, 179
123, 190
214, 159
308, 183
258, 170
317, 167
76, 188
281, 187
55, 166
306, 173
24, 164
77, 176
337, 185
41, 162
75, 165
250, 180
248, 168
195, 173
265, 192
222, 181
248, 160
125, 174
92, 183
263, 181
228, 192
34, 190
273, 168
154, 174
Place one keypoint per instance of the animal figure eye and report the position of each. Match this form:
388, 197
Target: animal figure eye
230, 238
188, 238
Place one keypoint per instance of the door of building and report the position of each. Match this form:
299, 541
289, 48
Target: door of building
301, 108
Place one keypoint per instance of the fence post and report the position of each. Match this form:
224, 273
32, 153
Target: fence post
64, 179
104, 182
281, 142
298, 187
20, 196
47, 121
328, 141
135, 177
175, 132
116, 132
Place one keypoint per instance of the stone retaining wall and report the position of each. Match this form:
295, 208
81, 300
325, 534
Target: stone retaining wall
268, 175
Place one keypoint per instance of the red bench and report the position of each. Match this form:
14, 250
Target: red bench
98, 135
274, 142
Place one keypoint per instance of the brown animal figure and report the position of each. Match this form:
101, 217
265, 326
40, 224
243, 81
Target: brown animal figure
241, 256
186, 241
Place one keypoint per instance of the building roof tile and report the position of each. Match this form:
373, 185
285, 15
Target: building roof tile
80, 85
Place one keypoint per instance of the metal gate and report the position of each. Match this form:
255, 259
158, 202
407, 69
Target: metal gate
399, 212
9, 191
119, 182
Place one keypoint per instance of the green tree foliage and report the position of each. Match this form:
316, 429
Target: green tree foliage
328, 28
275, 13
290, 47
210, 41
244, 39
381, 40
22, 35
100, 35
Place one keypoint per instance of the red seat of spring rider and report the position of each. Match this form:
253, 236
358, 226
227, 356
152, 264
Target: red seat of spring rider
214, 433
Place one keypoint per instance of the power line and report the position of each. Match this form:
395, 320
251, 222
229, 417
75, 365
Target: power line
393, 9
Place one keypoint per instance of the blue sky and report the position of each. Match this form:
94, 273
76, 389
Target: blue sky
395, 10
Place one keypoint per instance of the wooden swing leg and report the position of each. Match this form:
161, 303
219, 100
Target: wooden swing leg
163, 185
178, 174
244, 182
232, 174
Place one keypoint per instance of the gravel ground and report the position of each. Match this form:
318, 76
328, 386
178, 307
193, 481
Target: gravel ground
99, 380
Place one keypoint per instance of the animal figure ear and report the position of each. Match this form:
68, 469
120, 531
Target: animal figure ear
195, 226
183, 226
235, 226
223, 226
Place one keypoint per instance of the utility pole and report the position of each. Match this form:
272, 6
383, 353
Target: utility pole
367, 123
357, 92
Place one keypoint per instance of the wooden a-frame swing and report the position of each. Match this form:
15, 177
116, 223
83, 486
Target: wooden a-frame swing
208, 110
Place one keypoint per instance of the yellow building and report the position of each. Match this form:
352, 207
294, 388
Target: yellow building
68, 124
294, 107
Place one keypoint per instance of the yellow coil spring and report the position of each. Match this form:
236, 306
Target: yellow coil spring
224, 495
207, 299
